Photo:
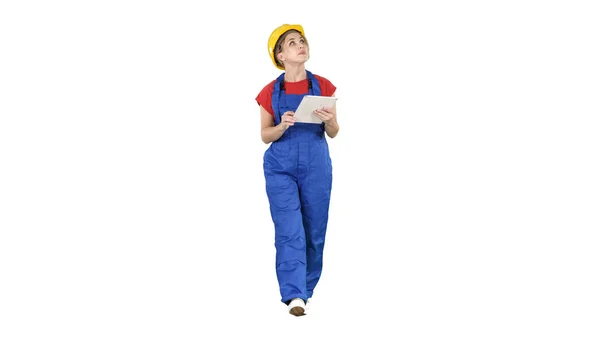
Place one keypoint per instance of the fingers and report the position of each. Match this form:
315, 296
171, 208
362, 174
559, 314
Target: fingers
324, 111
288, 119
323, 114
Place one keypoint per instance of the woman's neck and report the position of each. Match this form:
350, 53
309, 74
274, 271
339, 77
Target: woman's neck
294, 73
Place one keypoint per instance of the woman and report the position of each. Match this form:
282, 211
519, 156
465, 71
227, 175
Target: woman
297, 166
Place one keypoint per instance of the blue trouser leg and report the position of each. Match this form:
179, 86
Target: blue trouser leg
290, 242
315, 193
315, 223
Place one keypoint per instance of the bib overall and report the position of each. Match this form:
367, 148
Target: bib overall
298, 175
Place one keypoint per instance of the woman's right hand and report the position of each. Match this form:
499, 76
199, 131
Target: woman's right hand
287, 120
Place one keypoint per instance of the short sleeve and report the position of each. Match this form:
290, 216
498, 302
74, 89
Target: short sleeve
327, 88
264, 98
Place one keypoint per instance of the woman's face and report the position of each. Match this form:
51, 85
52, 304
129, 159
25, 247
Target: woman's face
294, 49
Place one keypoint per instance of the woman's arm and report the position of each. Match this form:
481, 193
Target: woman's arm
329, 117
331, 126
270, 133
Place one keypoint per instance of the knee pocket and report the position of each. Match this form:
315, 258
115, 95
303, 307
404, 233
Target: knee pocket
289, 264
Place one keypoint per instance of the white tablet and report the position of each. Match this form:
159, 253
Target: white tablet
304, 113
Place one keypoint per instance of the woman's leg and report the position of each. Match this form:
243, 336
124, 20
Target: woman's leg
290, 241
315, 193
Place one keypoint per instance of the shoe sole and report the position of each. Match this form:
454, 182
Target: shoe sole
297, 311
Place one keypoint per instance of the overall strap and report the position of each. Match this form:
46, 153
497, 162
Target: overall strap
279, 84
313, 84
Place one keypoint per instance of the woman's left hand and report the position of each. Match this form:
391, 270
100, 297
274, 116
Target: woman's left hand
326, 115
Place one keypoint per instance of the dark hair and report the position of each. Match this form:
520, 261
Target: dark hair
279, 45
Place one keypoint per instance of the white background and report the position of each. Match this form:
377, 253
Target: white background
466, 196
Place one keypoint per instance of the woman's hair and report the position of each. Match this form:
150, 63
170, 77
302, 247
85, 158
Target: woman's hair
279, 45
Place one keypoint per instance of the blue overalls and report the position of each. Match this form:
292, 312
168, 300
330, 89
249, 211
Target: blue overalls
298, 176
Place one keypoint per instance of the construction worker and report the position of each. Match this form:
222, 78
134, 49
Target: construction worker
297, 166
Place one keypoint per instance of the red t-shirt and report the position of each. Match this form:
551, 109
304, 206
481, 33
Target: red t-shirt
264, 98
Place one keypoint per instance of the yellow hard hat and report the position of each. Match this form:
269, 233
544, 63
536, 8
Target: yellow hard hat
275, 36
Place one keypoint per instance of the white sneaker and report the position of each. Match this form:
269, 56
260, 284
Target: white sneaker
307, 304
297, 307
